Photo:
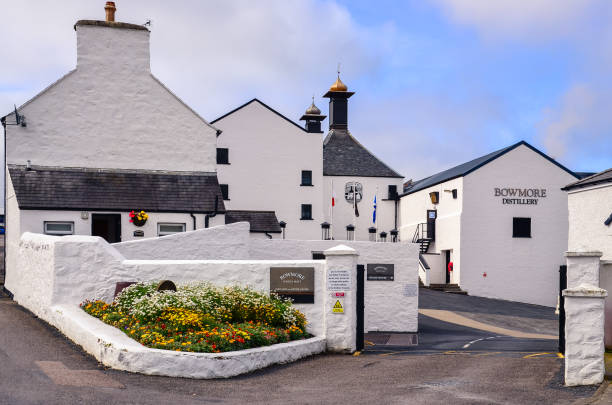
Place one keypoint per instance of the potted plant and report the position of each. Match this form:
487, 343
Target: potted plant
138, 218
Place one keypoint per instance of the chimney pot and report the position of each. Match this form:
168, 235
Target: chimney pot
110, 11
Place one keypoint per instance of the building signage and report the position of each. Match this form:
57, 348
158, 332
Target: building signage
381, 272
296, 283
339, 280
338, 308
410, 290
521, 196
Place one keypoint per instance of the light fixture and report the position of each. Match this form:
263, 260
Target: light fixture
435, 197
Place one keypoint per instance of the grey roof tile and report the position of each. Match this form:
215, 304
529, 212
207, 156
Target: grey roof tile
597, 178
468, 167
115, 189
261, 221
343, 155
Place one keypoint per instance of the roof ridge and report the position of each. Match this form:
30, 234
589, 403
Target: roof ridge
255, 99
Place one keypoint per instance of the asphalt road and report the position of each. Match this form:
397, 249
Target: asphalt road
40, 366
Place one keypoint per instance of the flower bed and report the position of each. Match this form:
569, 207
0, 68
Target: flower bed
201, 317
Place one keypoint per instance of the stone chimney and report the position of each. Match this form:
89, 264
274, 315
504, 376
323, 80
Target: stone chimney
110, 11
108, 48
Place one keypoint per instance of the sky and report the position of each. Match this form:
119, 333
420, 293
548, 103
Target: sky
436, 82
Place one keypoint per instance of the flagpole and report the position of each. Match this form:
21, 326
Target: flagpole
331, 210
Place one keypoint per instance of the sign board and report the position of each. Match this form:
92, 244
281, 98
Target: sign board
410, 290
296, 283
337, 295
381, 272
339, 280
338, 308
520, 196
139, 233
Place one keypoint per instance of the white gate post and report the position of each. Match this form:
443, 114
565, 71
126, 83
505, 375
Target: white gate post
341, 282
584, 320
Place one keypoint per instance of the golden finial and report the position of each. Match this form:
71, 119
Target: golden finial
338, 85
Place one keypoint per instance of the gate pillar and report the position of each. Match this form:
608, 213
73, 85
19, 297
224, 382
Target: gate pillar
340, 299
584, 320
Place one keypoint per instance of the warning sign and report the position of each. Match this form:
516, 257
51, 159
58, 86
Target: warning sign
338, 309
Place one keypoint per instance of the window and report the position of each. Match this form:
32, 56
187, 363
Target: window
392, 192
59, 228
521, 227
318, 256
306, 178
164, 229
224, 191
306, 211
222, 156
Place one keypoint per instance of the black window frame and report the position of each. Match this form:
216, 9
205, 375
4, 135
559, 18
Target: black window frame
521, 227
308, 177
223, 156
306, 212
224, 191
392, 192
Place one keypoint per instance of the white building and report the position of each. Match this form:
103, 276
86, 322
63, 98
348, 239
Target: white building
500, 219
106, 139
590, 214
297, 168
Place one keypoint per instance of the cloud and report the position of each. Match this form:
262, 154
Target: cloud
532, 20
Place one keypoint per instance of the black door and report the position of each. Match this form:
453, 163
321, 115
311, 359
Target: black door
107, 226
431, 224
562, 286
360, 307
448, 259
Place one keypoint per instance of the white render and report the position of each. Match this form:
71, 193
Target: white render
111, 112
588, 209
343, 213
584, 320
477, 228
267, 154
387, 308
58, 273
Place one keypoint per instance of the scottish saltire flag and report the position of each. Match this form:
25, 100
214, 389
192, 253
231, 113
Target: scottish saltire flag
374, 212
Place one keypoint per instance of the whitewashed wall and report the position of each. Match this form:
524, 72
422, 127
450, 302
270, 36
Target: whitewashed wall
387, 306
110, 112
33, 221
518, 269
267, 155
413, 211
605, 282
343, 212
588, 209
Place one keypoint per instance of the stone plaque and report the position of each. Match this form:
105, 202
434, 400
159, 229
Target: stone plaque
296, 283
410, 290
139, 233
381, 272
339, 280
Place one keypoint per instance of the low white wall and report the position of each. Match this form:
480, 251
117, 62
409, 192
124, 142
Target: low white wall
437, 269
389, 305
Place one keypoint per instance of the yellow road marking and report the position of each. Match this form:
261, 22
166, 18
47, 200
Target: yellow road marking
356, 354
367, 342
487, 353
530, 356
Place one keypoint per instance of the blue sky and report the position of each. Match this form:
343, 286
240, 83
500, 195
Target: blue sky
437, 82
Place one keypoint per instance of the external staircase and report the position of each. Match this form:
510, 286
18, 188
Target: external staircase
423, 237
447, 288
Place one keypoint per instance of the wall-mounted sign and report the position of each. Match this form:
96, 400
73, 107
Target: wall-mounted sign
139, 233
381, 272
526, 196
410, 290
296, 283
338, 308
339, 280
352, 190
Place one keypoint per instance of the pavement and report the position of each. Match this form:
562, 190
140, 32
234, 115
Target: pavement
38, 365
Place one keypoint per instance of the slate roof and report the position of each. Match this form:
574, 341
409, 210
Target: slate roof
91, 189
597, 178
261, 221
343, 155
468, 167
